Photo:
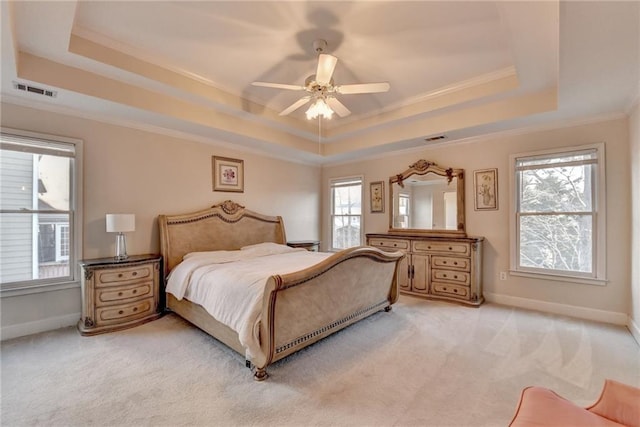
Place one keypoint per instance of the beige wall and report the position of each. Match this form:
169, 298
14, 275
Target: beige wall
133, 171
634, 138
127, 170
493, 152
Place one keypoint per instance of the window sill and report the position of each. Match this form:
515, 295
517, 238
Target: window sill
559, 278
20, 289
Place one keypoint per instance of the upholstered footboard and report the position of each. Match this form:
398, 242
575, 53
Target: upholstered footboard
304, 307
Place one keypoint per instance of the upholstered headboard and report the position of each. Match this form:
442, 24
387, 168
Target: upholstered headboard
226, 226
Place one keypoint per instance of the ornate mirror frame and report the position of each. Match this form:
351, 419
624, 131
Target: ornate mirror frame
423, 167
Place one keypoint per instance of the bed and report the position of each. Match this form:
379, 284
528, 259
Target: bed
296, 309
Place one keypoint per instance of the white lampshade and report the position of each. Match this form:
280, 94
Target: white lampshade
121, 223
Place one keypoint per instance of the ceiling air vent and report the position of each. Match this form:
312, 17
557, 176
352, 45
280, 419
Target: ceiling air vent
435, 138
33, 89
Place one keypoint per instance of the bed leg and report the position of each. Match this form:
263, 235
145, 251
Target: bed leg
387, 309
260, 374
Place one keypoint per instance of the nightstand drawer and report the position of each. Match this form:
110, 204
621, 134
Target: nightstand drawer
110, 277
125, 312
460, 277
123, 293
389, 244
451, 263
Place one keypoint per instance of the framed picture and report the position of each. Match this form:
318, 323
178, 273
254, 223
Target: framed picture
377, 196
228, 174
485, 184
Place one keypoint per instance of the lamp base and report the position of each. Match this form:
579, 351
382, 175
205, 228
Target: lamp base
121, 247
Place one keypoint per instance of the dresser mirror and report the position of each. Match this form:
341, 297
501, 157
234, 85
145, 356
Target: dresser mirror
427, 198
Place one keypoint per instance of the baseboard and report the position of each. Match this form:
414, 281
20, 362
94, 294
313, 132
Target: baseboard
28, 328
562, 309
634, 329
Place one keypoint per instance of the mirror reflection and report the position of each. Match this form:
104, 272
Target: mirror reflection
427, 198
427, 202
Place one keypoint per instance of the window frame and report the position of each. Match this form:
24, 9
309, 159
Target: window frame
25, 287
599, 273
333, 183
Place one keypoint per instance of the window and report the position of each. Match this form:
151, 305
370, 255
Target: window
403, 214
559, 222
346, 213
39, 196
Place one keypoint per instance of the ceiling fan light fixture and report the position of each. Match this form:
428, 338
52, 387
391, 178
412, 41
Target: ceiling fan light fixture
319, 108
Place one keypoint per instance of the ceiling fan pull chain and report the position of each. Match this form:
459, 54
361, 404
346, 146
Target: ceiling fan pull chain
320, 135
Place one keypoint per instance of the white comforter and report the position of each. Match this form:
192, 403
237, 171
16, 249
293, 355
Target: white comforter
230, 284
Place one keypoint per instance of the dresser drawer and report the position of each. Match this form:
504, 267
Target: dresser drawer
450, 290
459, 277
119, 294
454, 248
115, 276
125, 312
451, 263
389, 244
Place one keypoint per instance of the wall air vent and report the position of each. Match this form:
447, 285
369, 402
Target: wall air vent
435, 138
33, 89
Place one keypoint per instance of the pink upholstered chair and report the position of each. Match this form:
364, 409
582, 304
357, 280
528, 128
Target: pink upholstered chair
618, 405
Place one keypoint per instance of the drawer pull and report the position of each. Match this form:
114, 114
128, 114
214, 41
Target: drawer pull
135, 291
428, 247
120, 312
454, 263
444, 289
450, 248
455, 291
119, 274
444, 275
444, 262
135, 273
395, 244
455, 277
119, 294
135, 308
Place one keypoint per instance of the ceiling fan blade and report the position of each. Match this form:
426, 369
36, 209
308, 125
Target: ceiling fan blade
326, 65
363, 88
293, 107
338, 107
278, 86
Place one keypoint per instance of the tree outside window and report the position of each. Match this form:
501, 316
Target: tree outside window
557, 213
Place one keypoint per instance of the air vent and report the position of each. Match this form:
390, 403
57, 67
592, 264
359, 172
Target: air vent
33, 89
435, 138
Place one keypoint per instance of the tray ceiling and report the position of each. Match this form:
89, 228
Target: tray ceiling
460, 69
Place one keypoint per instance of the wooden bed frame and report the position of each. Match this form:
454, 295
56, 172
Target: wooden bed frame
298, 308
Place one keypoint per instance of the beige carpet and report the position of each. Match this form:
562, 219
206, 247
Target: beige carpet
423, 364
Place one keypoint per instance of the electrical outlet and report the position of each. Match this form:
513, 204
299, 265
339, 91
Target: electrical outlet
503, 275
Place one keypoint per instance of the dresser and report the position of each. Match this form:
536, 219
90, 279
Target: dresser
445, 268
119, 294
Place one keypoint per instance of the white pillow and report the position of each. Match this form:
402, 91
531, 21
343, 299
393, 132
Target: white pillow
267, 248
203, 254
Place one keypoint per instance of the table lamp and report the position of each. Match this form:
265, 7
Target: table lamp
121, 223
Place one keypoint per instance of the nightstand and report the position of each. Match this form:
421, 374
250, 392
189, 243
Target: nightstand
119, 294
310, 245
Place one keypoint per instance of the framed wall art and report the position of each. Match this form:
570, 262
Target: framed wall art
485, 184
377, 196
228, 174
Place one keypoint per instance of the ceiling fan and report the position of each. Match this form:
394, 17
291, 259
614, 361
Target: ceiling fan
322, 90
